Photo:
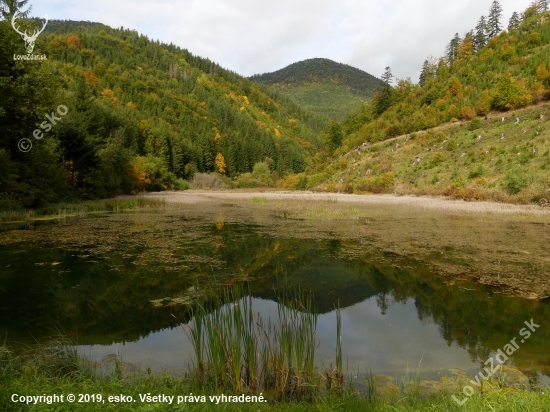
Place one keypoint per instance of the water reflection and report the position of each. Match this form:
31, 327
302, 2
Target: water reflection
397, 312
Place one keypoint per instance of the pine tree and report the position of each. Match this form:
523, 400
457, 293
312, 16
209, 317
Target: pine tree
387, 76
9, 7
452, 48
424, 73
493, 22
334, 134
515, 21
542, 6
480, 36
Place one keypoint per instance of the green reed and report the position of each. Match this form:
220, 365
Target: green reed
236, 349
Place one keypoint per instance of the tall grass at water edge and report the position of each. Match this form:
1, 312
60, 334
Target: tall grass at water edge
237, 350
61, 210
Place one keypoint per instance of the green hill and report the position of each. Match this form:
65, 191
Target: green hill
141, 115
323, 86
498, 161
446, 136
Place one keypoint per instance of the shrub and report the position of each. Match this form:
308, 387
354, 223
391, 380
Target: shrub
394, 130
189, 170
534, 38
437, 158
314, 180
459, 182
377, 184
515, 182
475, 124
262, 174
260, 169
302, 182
180, 184
288, 182
208, 181
467, 113
477, 172
508, 94
507, 53
453, 112
483, 105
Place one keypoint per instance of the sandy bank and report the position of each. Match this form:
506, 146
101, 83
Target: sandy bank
200, 196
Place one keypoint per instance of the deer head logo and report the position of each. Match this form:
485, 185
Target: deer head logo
29, 39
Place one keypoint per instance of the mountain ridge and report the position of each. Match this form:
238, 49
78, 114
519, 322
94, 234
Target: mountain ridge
142, 115
317, 69
323, 86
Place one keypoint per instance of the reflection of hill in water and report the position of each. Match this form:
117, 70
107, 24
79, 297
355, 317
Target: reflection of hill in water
103, 299
333, 282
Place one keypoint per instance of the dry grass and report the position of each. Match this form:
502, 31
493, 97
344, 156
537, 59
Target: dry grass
295, 198
207, 181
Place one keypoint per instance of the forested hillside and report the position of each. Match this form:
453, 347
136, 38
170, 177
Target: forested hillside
452, 133
140, 115
486, 69
323, 86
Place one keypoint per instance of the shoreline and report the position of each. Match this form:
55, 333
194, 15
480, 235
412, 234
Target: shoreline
423, 202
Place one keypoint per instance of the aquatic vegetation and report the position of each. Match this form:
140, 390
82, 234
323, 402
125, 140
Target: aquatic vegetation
238, 350
61, 210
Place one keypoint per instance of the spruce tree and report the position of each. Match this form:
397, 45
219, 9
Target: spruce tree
480, 36
450, 53
515, 21
335, 135
424, 73
493, 22
387, 76
9, 7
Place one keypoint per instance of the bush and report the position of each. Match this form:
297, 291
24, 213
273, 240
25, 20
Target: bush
377, 184
302, 183
262, 174
247, 181
150, 173
314, 180
467, 113
260, 169
477, 172
508, 94
208, 181
534, 38
483, 105
475, 124
515, 182
180, 184
437, 158
458, 183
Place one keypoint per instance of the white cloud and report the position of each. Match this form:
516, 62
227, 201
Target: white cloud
260, 36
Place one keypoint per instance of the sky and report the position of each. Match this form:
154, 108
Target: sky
259, 36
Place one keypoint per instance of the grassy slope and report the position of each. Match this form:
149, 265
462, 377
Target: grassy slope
327, 99
510, 72
454, 162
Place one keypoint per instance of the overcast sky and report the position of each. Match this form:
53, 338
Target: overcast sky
256, 36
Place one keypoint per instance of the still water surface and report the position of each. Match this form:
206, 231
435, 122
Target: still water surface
122, 284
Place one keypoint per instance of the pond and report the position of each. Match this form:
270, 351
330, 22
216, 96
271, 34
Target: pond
123, 283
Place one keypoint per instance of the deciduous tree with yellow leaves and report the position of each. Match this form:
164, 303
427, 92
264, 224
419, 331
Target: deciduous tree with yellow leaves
220, 163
